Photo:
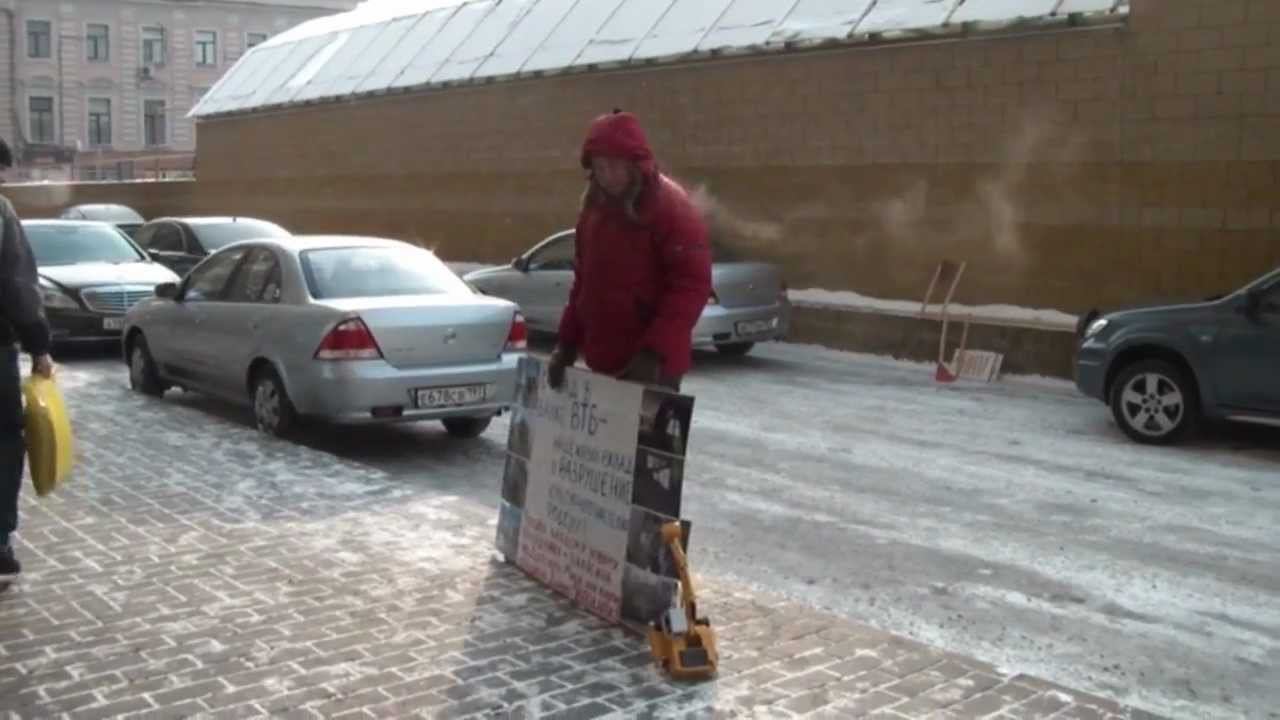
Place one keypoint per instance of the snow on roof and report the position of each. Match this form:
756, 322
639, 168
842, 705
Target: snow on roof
381, 48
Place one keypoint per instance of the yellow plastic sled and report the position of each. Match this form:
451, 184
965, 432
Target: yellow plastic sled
48, 434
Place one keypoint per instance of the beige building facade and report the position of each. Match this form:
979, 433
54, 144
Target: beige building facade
100, 89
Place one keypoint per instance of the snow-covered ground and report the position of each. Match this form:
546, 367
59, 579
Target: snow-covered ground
1011, 522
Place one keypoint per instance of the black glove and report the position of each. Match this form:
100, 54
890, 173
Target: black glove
561, 359
645, 367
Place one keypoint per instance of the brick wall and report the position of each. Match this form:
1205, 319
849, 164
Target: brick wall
1070, 169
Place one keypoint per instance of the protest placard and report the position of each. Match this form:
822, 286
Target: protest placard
593, 471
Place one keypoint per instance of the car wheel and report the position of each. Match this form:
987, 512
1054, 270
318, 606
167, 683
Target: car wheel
143, 375
739, 349
273, 411
1154, 402
466, 428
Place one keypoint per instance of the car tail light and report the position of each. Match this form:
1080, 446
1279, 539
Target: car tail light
350, 340
518, 338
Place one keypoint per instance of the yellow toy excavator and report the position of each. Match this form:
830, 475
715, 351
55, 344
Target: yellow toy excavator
682, 643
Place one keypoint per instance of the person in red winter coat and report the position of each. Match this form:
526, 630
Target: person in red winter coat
642, 275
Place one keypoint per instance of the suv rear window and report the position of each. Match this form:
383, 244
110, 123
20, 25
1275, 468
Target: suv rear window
354, 272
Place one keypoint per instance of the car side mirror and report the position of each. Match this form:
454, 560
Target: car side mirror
521, 264
168, 291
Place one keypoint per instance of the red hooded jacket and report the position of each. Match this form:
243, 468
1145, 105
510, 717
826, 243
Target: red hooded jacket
639, 283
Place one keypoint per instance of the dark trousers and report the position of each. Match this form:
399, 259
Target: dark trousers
13, 449
666, 383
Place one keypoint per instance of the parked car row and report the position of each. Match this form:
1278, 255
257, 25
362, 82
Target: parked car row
342, 329
363, 330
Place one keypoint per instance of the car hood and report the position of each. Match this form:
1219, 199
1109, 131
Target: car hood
75, 277
484, 272
1156, 311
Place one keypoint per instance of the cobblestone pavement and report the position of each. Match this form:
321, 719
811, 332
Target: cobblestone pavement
193, 568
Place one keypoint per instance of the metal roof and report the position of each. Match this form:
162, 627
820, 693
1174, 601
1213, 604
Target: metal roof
364, 53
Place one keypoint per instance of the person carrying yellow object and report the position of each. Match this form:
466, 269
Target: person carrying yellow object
22, 320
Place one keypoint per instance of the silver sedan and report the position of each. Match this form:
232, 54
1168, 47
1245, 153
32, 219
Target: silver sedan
347, 330
748, 303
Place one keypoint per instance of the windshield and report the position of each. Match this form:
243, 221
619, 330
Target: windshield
75, 244
215, 236
377, 272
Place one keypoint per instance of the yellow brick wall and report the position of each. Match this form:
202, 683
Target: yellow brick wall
1069, 169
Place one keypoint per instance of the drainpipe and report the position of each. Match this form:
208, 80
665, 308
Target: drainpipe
18, 141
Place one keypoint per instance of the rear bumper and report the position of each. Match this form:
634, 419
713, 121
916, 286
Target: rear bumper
81, 326
347, 393
720, 325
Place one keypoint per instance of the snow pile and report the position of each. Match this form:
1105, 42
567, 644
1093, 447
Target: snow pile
1002, 314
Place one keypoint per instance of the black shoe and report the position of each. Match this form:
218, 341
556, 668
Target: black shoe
9, 565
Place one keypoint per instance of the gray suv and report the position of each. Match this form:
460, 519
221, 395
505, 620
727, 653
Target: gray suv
1163, 369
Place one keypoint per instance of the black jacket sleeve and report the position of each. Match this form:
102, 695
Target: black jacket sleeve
20, 298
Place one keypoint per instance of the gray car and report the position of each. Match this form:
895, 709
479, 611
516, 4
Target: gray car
748, 304
1162, 369
347, 330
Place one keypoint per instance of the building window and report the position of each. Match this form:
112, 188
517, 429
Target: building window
252, 40
41, 118
99, 122
152, 46
206, 48
154, 123
39, 39
97, 43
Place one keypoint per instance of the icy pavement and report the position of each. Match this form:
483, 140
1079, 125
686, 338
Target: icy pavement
195, 568
1009, 522
1013, 522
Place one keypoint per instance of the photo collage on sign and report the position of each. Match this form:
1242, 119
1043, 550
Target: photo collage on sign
649, 583
515, 476
648, 577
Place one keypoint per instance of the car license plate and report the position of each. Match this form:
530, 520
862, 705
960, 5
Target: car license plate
748, 328
443, 397
113, 323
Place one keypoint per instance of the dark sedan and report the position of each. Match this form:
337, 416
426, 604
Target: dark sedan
91, 273
181, 243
